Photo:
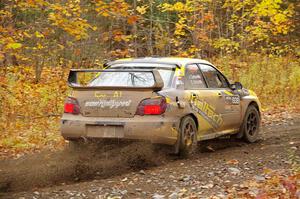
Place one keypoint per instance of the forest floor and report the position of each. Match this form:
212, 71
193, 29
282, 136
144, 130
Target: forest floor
222, 168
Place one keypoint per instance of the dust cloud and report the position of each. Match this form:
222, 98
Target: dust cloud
98, 160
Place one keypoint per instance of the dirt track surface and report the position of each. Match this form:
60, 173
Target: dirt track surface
140, 171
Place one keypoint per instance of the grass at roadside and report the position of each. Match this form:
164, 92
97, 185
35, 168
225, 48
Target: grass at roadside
276, 80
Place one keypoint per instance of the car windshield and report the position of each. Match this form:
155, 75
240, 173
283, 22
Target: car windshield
131, 79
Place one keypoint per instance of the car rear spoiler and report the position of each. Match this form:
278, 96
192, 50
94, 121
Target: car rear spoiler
72, 80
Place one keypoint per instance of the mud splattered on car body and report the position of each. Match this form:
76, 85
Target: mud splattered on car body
173, 101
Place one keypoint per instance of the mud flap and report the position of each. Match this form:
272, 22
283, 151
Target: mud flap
239, 135
176, 146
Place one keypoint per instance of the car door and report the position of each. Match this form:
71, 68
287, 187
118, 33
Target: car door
202, 101
225, 102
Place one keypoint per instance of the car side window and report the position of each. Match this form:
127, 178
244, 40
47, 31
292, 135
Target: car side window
213, 77
193, 77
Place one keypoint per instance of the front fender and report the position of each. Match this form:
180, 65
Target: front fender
248, 100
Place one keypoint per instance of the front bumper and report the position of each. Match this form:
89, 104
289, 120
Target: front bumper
156, 129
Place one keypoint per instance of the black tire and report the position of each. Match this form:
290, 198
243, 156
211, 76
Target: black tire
251, 125
187, 137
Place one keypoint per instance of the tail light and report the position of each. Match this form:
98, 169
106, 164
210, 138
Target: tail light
71, 106
152, 106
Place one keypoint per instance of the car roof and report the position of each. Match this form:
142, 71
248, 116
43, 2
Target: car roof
178, 61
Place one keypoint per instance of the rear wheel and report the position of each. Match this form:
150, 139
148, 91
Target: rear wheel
251, 125
187, 137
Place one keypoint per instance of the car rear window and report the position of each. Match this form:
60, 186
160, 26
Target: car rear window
128, 79
166, 71
114, 79
132, 79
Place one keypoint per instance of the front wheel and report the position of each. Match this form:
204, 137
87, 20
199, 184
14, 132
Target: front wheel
251, 125
187, 137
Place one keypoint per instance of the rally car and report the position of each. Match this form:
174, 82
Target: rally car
172, 101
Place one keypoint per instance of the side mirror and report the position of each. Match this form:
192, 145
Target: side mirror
236, 86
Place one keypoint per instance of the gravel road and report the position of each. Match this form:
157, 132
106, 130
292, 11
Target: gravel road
139, 171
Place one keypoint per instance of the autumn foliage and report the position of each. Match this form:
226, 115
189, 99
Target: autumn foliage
255, 42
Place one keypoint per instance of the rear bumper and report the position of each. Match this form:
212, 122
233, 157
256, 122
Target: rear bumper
156, 129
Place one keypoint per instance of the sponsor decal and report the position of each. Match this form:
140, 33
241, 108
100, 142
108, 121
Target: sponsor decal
108, 103
234, 100
179, 72
230, 98
168, 100
207, 112
70, 93
228, 93
115, 94
100, 95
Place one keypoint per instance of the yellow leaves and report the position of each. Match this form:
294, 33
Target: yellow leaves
61, 46
179, 29
26, 106
267, 171
26, 34
53, 17
68, 18
227, 45
38, 34
105, 36
35, 3
119, 36
102, 8
179, 6
40, 46
193, 26
181, 26
105, 14
272, 11
13, 46
142, 9
1, 56
5, 14
166, 7
77, 27
114, 8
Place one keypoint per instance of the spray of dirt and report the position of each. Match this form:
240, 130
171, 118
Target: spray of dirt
98, 161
